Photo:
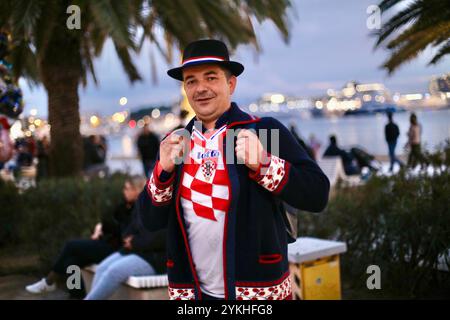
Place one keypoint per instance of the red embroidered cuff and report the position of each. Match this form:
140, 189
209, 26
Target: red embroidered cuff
160, 192
273, 175
262, 168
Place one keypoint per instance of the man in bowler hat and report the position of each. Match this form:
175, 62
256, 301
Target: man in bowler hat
223, 203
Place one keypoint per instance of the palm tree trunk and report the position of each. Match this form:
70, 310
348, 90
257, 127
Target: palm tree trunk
60, 70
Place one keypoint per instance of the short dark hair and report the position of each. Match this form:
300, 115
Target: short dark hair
227, 72
389, 115
333, 139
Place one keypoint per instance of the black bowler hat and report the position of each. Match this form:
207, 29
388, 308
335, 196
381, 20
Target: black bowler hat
203, 52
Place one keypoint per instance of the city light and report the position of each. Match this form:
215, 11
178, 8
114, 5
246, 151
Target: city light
348, 92
253, 107
123, 101
319, 104
367, 97
118, 117
156, 113
140, 123
95, 121
33, 112
132, 124
369, 87
277, 98
413, 96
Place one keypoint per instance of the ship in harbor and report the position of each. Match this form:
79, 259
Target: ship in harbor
353, 99
370, 98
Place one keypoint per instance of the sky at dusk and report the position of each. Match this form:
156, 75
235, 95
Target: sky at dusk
329, 45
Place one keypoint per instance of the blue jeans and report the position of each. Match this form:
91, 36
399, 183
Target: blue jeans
393, 158
115, 270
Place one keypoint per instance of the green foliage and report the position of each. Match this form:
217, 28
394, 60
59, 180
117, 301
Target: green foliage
421, 24
34, 25
57, 210
10, 210
399, 223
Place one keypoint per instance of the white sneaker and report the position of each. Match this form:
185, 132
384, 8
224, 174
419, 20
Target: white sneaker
40, 287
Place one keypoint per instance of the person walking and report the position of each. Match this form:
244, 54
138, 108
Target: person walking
148, 144
414, 142
391, 133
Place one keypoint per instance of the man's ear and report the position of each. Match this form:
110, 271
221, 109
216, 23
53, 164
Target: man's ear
232, 84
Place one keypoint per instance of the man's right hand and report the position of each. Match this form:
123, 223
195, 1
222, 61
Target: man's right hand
170, 149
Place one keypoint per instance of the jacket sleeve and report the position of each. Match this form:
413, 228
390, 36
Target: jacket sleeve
155, 201
146, 241
290, 173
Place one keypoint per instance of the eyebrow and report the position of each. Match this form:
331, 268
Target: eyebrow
210, 72
205, 74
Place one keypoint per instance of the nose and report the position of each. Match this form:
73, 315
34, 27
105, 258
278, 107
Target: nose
201, 88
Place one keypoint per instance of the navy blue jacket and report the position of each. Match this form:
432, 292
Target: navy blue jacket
255, 239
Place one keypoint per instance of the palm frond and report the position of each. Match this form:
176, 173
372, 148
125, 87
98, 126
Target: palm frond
444, 50
127, 63
424, 23
110, 18
23, 61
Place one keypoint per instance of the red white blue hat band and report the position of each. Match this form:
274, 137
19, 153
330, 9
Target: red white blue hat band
206, 52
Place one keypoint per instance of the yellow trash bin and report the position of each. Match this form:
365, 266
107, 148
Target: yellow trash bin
315, 268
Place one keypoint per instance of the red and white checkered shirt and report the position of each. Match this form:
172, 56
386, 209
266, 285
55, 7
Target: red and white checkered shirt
205, 197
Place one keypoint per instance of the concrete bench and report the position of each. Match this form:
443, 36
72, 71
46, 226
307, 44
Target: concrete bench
135, 288
334, 170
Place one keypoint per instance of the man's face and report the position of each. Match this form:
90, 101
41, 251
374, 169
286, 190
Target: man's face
208, 90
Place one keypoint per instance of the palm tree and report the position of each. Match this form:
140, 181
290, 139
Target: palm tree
45, 51
422, 24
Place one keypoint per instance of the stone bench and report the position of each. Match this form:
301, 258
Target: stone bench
135, 288
334, 170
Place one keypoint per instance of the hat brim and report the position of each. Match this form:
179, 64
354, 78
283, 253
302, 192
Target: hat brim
235, 68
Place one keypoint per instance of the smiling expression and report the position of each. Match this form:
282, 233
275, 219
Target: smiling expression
209, 91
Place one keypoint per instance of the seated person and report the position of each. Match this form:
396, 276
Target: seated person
333, 150
105, 240
143, 254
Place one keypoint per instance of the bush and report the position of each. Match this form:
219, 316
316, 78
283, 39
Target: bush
10, 209
58, 210
401, 224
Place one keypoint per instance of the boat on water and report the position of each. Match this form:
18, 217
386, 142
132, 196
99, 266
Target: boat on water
367, 99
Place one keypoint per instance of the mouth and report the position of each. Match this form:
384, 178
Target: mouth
202, 100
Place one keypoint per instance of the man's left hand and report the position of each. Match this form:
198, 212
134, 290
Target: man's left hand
249, 149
